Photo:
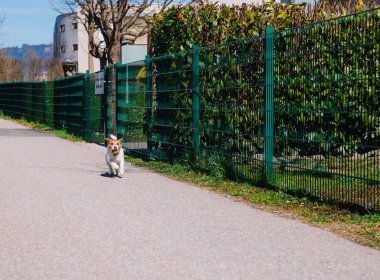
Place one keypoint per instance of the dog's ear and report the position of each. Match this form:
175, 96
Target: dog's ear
106, 139
119, 139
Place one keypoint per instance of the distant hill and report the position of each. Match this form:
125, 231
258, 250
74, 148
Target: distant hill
26, 51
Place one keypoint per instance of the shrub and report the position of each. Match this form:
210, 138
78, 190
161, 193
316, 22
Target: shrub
326, 91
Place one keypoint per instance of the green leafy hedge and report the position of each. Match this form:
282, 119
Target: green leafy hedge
177, 29
326, 88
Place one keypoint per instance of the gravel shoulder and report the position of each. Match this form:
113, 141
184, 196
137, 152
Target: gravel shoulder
62, 217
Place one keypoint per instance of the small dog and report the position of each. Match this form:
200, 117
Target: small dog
115, 156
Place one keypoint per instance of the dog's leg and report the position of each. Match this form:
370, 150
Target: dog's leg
110, 168
121, 169
115, 166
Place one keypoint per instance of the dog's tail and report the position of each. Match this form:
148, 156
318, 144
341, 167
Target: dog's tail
115, 165
113, 137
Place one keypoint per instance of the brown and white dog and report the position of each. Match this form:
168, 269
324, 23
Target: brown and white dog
115, 156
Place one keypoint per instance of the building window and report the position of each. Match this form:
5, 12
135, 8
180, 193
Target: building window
62, 49
62, 28
75, 47
75, 25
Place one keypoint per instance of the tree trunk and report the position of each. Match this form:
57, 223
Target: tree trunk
114, 55
103, 63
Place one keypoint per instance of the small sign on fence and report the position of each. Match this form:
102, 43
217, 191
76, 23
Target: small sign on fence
99, 83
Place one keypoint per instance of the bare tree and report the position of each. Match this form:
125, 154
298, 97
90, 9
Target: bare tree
118, 22
10, 69
32, 66
53, 67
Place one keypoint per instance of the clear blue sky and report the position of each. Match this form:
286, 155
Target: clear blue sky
30, 22
26, 21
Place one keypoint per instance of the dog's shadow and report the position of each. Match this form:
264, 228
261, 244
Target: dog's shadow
108, 175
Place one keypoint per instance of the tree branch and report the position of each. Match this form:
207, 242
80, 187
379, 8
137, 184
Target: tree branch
118, 22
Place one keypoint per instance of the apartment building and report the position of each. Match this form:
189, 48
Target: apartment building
71, 45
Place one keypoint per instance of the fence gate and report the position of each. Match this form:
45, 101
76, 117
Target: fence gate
129, 111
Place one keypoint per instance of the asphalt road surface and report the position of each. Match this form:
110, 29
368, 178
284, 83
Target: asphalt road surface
62, 217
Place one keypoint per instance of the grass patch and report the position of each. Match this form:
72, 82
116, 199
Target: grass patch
363, 229
354, 186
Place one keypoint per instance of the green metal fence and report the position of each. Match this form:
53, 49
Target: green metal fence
67, 103
93, 111
171, 113
131, 106
327, 109
23, 99
297, 110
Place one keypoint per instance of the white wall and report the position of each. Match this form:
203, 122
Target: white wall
66, 38
70, 37
132, 53
135, 52
85, 60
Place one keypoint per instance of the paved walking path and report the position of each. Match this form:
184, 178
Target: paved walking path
62, 218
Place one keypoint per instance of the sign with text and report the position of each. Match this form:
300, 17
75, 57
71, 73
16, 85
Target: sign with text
99, 83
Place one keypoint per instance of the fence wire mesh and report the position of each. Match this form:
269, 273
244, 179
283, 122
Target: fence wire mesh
327, 114
131, 106
65, 104
325, 138
24, 99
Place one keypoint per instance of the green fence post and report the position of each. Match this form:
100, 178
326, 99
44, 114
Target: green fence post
196, 97
269, 102
111, 100
148, 102
87, 106
119, 133
28, 104
104, 102
43, 101
37, 100
49, 103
